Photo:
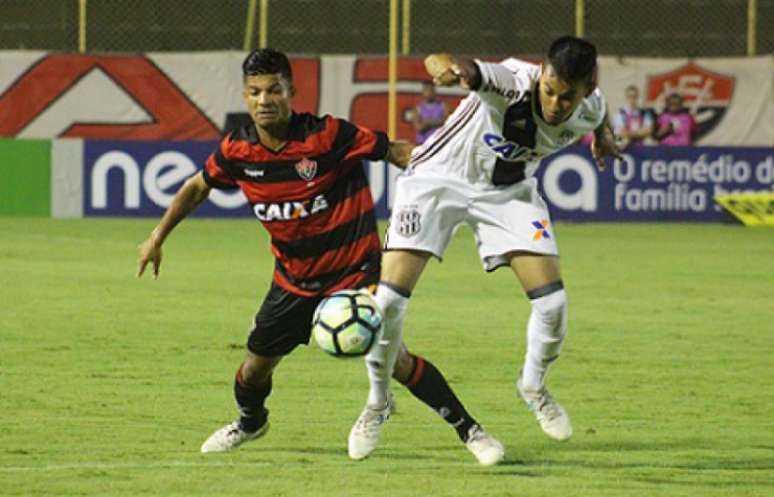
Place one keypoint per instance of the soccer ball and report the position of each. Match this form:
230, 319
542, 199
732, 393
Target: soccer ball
347, 323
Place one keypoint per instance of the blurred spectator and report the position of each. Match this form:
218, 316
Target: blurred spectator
429, 114
676, 126
632, 124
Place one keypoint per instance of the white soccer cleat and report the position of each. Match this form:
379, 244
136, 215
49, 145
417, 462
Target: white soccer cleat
364, 436
232, 436
552, 417
487, 449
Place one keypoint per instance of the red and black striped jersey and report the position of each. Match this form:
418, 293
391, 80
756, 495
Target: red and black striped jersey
312, 196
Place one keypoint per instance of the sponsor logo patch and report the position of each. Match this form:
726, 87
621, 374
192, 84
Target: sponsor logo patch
287, 211
541, 230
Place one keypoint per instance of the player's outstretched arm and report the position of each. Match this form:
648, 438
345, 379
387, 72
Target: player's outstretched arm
193, 192
399, 153
447, 70
604, 144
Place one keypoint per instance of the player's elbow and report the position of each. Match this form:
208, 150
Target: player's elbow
196, 186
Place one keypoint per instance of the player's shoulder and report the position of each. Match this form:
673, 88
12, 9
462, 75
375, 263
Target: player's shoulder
303, 124
510, 78
521, 68
594, 106
237, 142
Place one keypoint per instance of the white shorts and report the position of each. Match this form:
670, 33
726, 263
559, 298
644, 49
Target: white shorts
428, 209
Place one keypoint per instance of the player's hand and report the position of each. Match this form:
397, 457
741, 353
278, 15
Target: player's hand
443, 70
399, 153
149, 251
604, 146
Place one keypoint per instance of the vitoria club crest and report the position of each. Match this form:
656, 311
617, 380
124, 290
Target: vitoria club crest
708, 91
306, 168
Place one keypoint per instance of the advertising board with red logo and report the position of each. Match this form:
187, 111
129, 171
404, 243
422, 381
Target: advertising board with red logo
169, 96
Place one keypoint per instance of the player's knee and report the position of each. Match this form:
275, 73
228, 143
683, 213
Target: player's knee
256, 370
552, 310
391, 299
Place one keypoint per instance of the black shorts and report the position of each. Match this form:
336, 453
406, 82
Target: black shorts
284, 321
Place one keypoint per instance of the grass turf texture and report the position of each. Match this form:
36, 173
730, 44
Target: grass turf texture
110, 384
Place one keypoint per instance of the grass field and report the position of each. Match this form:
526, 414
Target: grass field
109, 384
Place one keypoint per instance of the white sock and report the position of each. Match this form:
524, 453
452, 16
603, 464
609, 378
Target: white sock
546, 330
380, 361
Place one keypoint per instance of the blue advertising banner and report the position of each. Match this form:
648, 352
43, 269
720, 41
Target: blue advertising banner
652, 183
134, 178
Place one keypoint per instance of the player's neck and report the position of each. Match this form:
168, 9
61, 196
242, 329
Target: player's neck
275, 136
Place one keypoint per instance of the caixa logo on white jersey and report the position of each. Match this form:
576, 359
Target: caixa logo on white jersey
287, 211
571, 197
508, 150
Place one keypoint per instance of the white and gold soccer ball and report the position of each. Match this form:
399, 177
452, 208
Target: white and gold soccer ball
347, 323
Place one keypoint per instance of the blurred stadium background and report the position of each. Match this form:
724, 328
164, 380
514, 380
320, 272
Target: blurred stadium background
660, 28
109, 384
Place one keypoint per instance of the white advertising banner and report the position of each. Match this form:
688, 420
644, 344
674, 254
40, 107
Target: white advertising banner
175, 96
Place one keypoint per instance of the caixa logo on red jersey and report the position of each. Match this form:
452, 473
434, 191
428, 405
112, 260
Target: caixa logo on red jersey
708, 94
287, 211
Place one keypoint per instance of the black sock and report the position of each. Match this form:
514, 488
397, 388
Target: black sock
249, 399
428, 385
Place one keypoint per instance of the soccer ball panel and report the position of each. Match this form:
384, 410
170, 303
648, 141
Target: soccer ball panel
324, 339
346, 323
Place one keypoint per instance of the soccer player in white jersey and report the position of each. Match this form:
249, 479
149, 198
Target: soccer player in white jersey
478, 169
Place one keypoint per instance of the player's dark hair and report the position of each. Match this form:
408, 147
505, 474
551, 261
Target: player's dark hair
267, 61
573, 59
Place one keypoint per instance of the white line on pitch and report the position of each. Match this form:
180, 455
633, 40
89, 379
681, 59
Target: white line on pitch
172, 464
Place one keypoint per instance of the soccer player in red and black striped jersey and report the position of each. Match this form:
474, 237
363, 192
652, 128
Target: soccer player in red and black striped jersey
305, 183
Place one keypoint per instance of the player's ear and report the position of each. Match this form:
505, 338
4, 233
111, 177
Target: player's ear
591, 85
292, 90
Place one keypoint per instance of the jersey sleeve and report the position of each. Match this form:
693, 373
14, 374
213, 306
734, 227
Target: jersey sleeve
596, 106
357, 142
506, 82
217, 166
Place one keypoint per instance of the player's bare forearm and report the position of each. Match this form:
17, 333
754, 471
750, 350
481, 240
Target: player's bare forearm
399, 153
193, 192
604, 130
448, 70
604, 144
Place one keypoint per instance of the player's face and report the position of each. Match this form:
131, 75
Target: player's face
268, 99
559, 98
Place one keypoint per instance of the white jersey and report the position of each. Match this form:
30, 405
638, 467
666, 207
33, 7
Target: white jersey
495, 136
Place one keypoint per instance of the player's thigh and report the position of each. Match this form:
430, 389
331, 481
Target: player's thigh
283, 322
535, 270
402, 268
426, 210
513, 220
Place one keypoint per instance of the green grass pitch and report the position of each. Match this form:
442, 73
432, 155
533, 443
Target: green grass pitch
109, 384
